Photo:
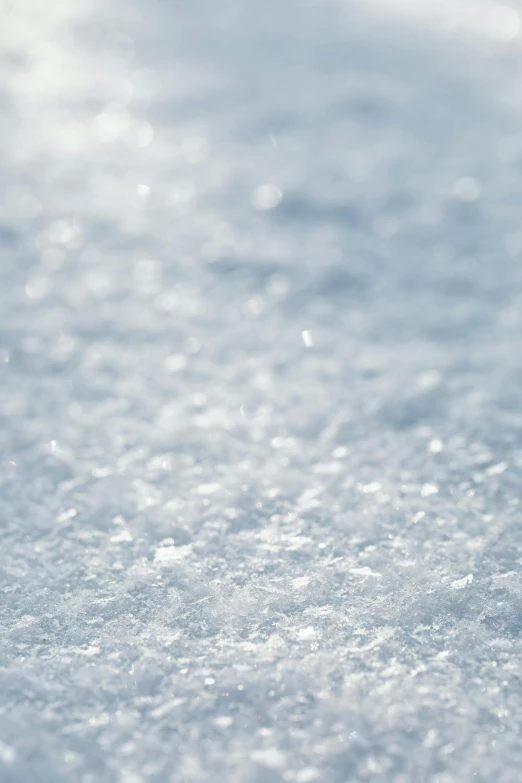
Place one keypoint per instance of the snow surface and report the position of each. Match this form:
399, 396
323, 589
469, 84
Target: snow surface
260, 377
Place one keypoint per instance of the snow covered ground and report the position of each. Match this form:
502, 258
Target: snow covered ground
260, 391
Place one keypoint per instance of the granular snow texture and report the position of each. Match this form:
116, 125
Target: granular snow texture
260, 392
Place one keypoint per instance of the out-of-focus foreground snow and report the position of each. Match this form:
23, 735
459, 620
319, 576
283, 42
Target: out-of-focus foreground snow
260, 383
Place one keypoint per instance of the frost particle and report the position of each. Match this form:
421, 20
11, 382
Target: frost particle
429, 489
496, 470
307, 338
459, 584
307, 633
365, 571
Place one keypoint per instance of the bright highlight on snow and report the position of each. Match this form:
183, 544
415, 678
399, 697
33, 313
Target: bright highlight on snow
307, 338
266, 197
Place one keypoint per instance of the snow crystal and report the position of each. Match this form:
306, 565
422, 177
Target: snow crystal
459, 584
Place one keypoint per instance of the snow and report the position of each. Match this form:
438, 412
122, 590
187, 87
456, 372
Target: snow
260, 372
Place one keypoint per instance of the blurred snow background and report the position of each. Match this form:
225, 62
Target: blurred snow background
260, 376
